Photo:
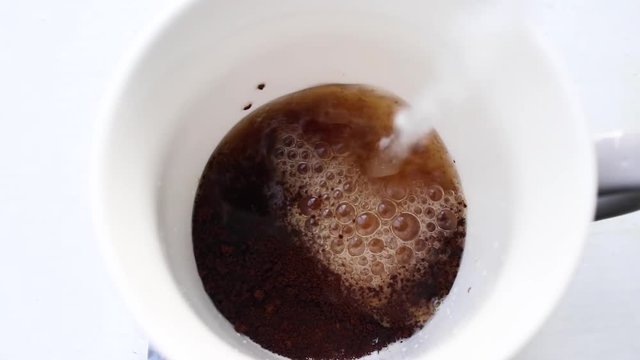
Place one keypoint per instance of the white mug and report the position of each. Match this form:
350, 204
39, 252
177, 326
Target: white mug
526, 162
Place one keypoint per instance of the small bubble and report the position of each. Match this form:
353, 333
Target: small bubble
395, 191
349, 187
356, 246
411, 199
435, 192
436, 303
304, 155
299, 144
386, 209
322, 150
362, 261
288, 141
347, 231
303, 168
330, 176
430, 212
406, 226
318, 168
337, 194
311, 224
447, 220
324, 185
292, 154
278, 153
341, 173
376, 245
377, 268
334, 229
308, 204
326, 213
420, 245
367, 223
417, 211
337, 245
345, 212
404, 255
431, 227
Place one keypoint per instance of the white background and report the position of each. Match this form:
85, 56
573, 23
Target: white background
56, 57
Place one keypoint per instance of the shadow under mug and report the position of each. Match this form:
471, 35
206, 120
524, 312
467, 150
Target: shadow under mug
520, 145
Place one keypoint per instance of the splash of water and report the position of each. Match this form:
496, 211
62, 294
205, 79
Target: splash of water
469, 45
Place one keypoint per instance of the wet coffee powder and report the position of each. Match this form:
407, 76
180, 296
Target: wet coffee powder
303, 252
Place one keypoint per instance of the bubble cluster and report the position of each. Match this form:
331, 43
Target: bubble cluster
373, 233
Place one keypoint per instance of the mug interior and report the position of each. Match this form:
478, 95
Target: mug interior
527, 208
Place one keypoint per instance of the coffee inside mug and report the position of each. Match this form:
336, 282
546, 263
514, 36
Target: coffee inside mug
527, 208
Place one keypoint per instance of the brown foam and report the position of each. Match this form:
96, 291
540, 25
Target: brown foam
306, 254
359, 210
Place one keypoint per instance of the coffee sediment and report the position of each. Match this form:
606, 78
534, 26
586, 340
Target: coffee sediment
307, 255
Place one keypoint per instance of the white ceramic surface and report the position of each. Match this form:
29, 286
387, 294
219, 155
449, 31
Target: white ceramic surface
187, 85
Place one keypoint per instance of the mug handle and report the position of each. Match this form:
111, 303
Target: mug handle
618, 157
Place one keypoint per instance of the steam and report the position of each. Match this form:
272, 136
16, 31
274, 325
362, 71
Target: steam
469, 45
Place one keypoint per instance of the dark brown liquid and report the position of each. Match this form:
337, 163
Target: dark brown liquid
307, 255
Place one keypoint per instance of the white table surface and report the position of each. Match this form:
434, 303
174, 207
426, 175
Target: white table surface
56, 300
